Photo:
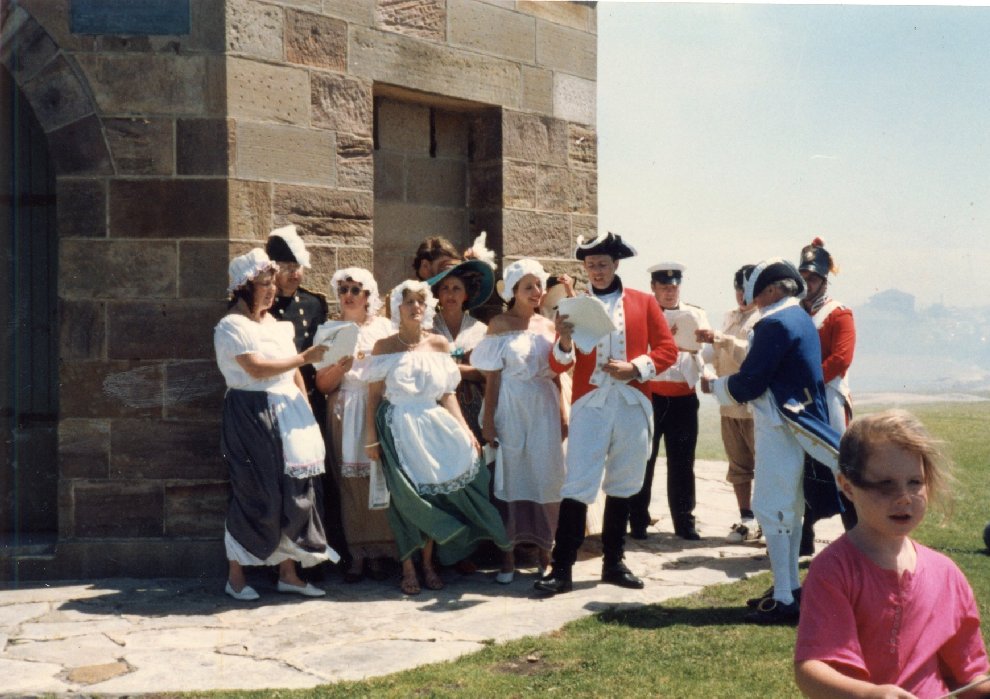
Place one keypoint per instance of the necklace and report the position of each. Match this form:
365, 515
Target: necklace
410, 345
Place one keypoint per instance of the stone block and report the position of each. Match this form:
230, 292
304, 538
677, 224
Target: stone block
141, 330
83, 449
403, 127
400, 227
263, 92
390, 176
100, 269
425, 19
82, 329
25, 46
536, 234
553, 189
324, 259
340, 217
534, 138
202, 147
134, 558
80, 149
577, 15
278, 153
391, 268
429, 67
355, 162
583, 191
53, 15
360, 12
363, 257
341, 104
254, 29
195, 510
194, 390
141, 146
537, 90
110, 389
315, 40
153, 208
582, 225
582, 147
206, 26
488, 187
567, 50
150, 84
519, 185
81, 208
485, 139
203, 269
250, 211
165, 450
436, 182
574, 99
493, 30
452, 134
57, 96
118, 509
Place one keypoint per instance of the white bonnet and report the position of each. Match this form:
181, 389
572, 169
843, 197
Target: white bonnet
418, 287
246, 267
516, 271
365, 279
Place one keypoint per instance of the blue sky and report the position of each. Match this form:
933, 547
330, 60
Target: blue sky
733, 132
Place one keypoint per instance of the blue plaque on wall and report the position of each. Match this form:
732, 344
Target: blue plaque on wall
141, 17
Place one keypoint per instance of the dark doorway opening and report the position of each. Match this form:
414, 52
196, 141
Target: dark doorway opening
29, 321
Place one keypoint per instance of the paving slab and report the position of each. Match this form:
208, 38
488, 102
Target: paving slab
143, 636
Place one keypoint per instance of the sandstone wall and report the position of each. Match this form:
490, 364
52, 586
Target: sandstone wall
175, 152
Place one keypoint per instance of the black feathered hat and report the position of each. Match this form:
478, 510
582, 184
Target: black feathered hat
769, 271
605, 244
815, 258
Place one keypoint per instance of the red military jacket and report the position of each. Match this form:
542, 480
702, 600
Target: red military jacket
837, 333
646, 333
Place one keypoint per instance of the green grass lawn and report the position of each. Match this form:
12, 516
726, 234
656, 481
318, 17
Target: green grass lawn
695, 646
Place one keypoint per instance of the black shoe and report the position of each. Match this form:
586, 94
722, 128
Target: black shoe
554, 583
688, 533
754, 602
619, 574
638, 533
770, 611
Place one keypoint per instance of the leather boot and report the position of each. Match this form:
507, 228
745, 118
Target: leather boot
614, 522
571, 523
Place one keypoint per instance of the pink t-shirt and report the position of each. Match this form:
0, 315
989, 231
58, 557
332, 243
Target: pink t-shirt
921, 633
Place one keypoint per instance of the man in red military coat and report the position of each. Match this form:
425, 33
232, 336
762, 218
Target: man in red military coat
837, 333
611, 414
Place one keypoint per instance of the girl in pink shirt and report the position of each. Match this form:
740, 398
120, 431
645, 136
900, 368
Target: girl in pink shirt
881, 615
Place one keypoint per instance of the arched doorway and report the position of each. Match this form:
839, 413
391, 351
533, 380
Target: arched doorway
29, 322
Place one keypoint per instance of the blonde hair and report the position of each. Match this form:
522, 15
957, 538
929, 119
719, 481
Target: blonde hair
903, 430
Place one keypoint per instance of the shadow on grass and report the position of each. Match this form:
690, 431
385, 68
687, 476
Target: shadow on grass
658, 617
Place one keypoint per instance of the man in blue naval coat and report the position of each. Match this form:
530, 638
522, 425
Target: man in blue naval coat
781, 378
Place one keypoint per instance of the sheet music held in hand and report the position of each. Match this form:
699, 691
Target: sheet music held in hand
590, 320
341, 338
686, 325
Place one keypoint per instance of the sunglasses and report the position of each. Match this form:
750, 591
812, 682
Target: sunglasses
353, 290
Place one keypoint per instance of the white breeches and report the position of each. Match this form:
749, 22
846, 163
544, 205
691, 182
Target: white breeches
609, 438
778, 488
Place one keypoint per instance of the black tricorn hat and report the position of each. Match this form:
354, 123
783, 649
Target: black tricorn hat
769, 271
605, 244
815, 258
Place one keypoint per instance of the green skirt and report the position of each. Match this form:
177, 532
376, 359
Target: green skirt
456, 521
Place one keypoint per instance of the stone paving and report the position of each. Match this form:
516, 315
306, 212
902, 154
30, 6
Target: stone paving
130, 636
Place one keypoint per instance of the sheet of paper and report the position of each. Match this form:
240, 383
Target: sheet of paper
683, 325
590, 319
340, 336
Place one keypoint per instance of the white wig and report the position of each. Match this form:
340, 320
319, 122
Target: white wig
516, 271
416, 287
365, 279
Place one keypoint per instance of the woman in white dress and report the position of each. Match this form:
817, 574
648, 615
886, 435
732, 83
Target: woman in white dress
438, 489
269, 438
459, 289
367, 532
522, 415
